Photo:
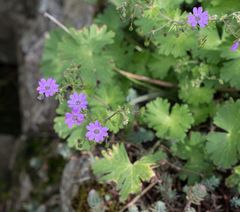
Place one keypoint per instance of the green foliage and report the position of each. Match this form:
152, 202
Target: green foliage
111, 19
160, 207
153, 39
168, 124
51, 65
193, 151
196, 95
75, 137
235, 202
176, 45
116, 166
233, 180
119, 119
159, 65
168, 193
202, 112
107, 96
224, 147
230, 73
211, 183
84, 48
105, 106
221, 7
196, 194
140, 136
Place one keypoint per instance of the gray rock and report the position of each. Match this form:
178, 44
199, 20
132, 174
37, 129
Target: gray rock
76, 172
6, 148
38, 116
23, 28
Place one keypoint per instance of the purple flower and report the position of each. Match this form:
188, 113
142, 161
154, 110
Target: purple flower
96, 132
198, 17
47, 87
78, 101
73, 118
235, 46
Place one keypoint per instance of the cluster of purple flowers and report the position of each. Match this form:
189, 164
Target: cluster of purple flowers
201, 18
77, 103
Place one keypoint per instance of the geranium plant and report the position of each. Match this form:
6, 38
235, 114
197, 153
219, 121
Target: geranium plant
160, 72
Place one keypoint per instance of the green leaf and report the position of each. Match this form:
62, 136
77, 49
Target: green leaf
108, 96
159, 65
61, 128
193, 151
122, 54
209, 38
77, 138
50, 64
86, 48
177, 46
209, 41
145, 25
118, 119
158, 16
116, 167
202, 112
210, 55
230, 73
224, 147
221, 7
105, 106
233, 181
170, 125
168, 4
110, 18
117, 3
138, 63
140, 136
195, 95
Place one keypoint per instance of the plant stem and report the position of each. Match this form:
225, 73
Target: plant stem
146, 79
144, 98
54, 20
135, 199
161, 82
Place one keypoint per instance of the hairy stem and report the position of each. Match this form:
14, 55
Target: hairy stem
54, 20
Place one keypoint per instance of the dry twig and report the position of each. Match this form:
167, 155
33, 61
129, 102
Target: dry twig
134, 200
